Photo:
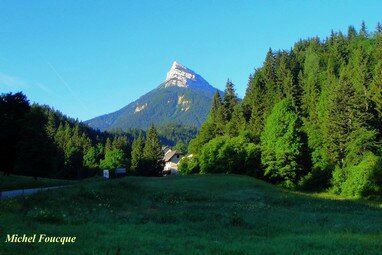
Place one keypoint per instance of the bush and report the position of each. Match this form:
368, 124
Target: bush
209, 160
113, 158
317, 179
229, 155
362, 179
189, 165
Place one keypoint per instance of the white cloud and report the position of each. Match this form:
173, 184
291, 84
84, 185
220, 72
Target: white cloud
15, 83
12, 82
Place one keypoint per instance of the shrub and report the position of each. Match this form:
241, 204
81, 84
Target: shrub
362, 179
209, 160
113, 158
189, 165
317, 179
229, 155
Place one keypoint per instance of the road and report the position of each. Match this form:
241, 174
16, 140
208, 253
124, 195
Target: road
25, 192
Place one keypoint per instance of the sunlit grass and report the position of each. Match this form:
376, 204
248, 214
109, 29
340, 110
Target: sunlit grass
211, 214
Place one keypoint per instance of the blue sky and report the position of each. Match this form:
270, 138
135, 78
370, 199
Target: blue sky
87, 58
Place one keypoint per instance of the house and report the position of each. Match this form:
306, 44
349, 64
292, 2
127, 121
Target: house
165, 149
171, 160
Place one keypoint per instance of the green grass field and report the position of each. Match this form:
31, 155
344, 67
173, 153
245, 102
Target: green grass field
24, 182
211, 214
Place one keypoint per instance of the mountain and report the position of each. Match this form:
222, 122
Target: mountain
184, 97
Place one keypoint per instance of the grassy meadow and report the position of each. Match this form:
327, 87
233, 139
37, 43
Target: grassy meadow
210, 214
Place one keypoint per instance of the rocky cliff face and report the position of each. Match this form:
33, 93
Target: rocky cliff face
179, 75
183, 77
184, 97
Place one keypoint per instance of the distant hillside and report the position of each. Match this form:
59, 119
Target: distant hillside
184, 98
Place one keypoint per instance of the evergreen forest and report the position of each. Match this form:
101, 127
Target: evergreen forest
311, 118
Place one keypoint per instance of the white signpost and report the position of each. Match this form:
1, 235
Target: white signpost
106, 174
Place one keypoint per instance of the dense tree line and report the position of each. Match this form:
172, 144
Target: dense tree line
170, 134
311, 118
38, 141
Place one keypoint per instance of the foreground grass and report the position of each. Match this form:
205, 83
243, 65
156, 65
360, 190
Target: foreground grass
217, 214
24, 182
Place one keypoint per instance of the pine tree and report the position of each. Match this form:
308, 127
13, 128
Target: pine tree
282, 71
269, 76
153, 148
281, 144
378, 29
352, 33
269, 69
360, 74
237, 124
216, 105
363, 30
137, 154
216, 117
212, 127
122, 143
13, 108
108, 145
92, 157
230, 100
255, 98
376, 96
51, 124
206, 133
346, 115
310, 82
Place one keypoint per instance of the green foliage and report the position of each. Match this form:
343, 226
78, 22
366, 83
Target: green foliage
13, 108
360, 180
230, 155
376, 89
314, 112
113, 159
237, 123
93, 156
209, 161
281, 145
153, 148
150, 163
206, 133
216, 122
189, 165
230, 100
38, 141
172, 133
137, 154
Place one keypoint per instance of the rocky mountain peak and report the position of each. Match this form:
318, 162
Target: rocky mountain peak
179, 75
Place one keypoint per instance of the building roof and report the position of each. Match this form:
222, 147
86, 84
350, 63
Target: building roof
170, 154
